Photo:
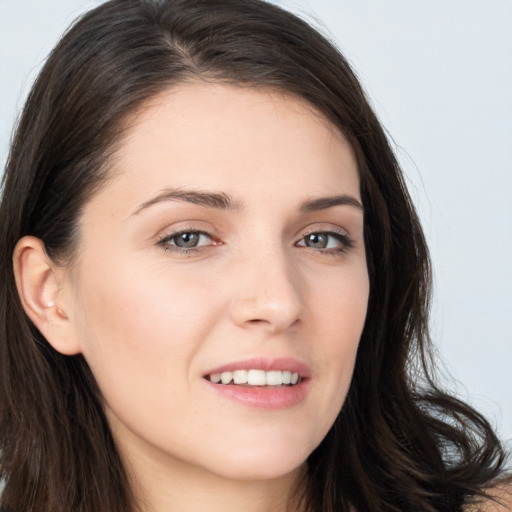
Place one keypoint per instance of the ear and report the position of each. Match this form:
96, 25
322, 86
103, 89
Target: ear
42, 290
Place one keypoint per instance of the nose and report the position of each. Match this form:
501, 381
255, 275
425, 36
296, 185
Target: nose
268, 293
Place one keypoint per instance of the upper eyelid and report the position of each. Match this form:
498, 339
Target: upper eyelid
169, 232
173, 234
325, 229
335, 230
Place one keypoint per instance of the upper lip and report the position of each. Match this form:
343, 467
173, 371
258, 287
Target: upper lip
265, 363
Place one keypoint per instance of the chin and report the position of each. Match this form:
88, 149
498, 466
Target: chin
245, 472
261, 461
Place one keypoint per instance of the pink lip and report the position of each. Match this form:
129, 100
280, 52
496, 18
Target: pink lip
267, 398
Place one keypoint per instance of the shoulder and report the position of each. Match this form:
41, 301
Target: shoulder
500, 500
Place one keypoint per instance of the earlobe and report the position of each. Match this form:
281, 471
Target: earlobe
39, 286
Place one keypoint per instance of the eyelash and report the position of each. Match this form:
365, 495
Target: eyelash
164, 242
345, 240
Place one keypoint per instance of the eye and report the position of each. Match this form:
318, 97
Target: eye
185, 240
326, 241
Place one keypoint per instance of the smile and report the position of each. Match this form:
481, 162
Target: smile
261, 383
255, 377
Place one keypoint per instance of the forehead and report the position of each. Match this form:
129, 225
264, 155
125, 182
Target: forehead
233, 138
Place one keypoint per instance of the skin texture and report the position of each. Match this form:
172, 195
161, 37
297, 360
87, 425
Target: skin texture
152, 319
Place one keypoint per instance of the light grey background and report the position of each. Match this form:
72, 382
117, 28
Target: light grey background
439, 74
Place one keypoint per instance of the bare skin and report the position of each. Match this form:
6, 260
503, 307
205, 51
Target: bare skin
501, 500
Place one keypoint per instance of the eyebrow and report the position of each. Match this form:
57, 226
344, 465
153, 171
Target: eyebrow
223, 201
218, 200
323, 203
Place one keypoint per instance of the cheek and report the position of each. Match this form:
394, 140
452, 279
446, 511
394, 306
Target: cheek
142, 327
340, 312
340, 307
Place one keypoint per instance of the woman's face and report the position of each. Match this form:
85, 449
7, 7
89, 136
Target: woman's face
228, 244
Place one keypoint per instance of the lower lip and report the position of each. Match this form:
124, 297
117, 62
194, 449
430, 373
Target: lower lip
268, 398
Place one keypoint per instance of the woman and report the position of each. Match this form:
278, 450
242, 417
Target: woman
220, 287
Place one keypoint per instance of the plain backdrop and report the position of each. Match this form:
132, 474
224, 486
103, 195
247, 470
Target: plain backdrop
439, 74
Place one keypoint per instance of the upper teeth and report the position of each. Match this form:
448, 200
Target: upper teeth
256, 377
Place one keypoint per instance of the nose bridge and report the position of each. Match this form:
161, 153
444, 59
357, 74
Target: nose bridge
267, 288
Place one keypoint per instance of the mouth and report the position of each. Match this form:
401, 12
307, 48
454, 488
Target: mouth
262, 383
256, 378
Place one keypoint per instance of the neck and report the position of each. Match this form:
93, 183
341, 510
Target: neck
164, 484
199, 492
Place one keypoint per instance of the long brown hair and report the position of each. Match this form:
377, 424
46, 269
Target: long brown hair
399, 442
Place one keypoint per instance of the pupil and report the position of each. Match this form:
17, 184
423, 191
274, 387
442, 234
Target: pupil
187, 240
317, 241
